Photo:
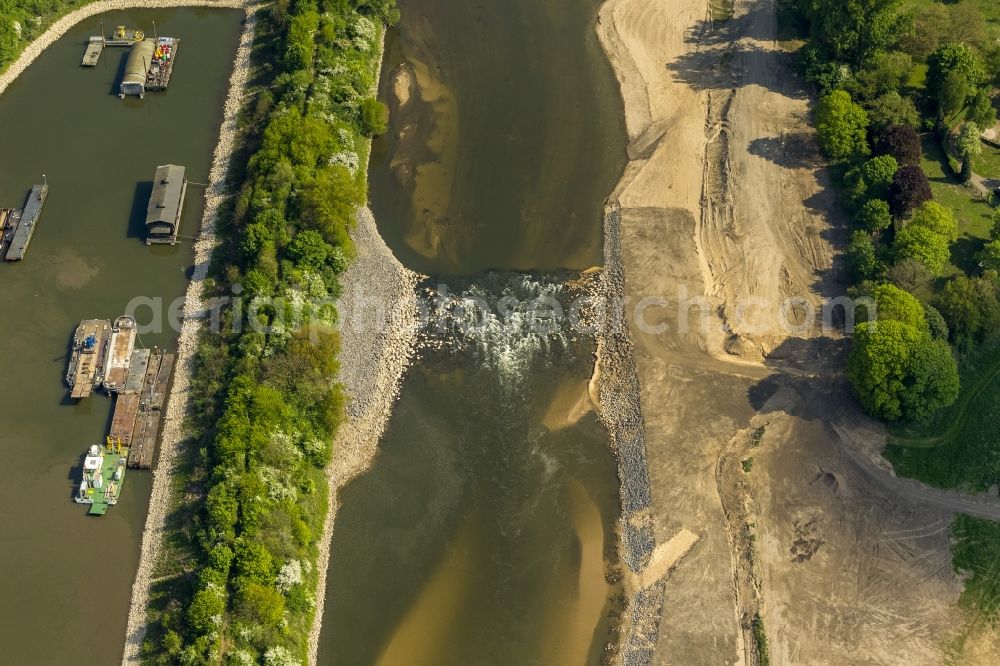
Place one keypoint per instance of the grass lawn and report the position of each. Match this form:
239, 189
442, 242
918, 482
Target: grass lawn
976, 543
959, 446
987, 165
975, 217
989, 8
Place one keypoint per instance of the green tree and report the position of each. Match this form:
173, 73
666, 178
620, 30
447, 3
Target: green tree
969, 147
853, 30
957, 59
373, 116
971, 308
937, 218
309, 250
981, 111
936, 323
842, 126
253, 562
260, 603
953, 93
886, 72
207, 606
924, 245
862, 261
328, 205
899, 371
989, 258
874, 216
891, 109
933, 380
877, 174
897, 305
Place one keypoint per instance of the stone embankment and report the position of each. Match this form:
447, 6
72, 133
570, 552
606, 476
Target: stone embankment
621, 412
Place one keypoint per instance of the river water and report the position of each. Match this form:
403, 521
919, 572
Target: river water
485, 529
66, 576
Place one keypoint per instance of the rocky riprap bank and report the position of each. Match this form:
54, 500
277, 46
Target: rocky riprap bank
621, 412
378, 327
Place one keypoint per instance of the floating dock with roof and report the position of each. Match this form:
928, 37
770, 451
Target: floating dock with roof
148, 67
163, 213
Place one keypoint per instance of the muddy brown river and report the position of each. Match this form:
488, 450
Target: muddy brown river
484, 530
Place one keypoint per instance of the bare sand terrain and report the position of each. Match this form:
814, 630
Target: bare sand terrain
754, 445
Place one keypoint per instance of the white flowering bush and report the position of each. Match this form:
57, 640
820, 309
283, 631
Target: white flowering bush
289, 576
280, 656
241, 657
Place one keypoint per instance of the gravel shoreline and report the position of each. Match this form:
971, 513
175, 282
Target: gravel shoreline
378, 320
379, 323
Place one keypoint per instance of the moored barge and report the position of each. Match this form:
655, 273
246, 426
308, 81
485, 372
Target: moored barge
87, 357
119, 355
103, 475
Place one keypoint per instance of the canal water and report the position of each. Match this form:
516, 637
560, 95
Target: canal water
485, 530
67, 576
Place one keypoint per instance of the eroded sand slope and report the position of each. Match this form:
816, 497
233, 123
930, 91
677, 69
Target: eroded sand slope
725, 207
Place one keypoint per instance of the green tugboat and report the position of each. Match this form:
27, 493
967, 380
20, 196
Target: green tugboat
103, 476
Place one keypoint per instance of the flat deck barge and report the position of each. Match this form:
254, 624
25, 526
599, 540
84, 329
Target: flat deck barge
123, 420
119, 355
24, 228
103, 476
146, 428
86, 361
97, 43
93, 52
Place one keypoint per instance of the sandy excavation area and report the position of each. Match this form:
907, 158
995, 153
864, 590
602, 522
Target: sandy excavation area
725, 214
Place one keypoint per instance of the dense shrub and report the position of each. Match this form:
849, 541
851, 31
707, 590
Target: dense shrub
842, 126
923, 245
909, 189
374, 117
902, 142
874, 216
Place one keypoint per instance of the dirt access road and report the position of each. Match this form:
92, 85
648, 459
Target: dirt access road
726, 215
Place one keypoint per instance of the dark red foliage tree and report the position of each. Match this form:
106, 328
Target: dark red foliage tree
902, 142
909, 189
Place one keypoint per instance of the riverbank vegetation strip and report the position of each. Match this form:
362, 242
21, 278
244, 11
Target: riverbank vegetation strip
238, 573
907, 92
